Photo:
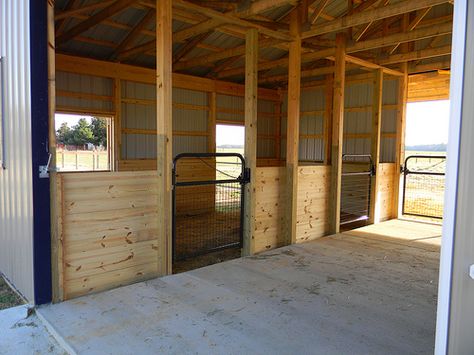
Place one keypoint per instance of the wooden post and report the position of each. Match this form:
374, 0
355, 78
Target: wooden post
374, 211
211, 122
57, 261
251, 88
337, 130
117, 155
328, 118
401, 124
400, 140
164, 132
293, 125
277, 110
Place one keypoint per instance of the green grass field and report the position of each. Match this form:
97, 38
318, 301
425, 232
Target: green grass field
424, 194
82, 160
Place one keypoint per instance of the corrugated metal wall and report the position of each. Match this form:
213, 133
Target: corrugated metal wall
16, 190
230, 110
357, 121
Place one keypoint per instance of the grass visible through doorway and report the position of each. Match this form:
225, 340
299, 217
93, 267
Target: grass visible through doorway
8, 297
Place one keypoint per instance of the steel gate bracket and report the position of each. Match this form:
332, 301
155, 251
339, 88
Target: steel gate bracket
246, 176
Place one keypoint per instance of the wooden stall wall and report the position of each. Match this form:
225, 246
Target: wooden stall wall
386, 180
270, 191
108, 230
313, 200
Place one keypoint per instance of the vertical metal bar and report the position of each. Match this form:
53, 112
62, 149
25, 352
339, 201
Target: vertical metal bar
173, 213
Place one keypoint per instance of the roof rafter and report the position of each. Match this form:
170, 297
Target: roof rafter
229, 18
94, 20
357, 47
134, 33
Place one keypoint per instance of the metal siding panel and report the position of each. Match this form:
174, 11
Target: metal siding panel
16, 191
84, 84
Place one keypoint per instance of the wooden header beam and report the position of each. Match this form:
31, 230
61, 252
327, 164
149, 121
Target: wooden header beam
144, 75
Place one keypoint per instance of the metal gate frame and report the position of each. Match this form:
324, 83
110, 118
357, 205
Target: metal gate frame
370, 173
242, 179
407, 171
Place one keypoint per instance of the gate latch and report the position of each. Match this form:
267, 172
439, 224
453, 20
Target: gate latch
246, 176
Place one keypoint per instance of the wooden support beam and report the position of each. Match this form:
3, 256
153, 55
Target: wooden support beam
370, 65
60, 24
329, 83
259, 6
57, 259
164, 127
416, 55
421, 14
211, 122
374, 208
251, 87
400, 139
109, 11
142, 48
118, 121
134, 33
337, 134
293, 124
195, 30
372, 15
189, 46
71, 10
227, 53
414, 35
278, 128
318, 11
229, 19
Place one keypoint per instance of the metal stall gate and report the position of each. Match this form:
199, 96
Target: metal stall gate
356, 180
208, 202
423, 186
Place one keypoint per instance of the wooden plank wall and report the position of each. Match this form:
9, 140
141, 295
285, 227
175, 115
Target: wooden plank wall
108, 230
386, 181
313, 202
270, 194
428, 86
312, 212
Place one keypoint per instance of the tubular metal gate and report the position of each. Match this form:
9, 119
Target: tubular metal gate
208, 203
356, 181
423, 186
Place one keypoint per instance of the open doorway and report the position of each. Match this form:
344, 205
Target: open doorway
208, 202
83, 142
425, 160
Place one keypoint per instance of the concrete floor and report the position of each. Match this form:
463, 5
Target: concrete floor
354, 293
21, 334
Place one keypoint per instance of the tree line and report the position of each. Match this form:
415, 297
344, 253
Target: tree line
83, 133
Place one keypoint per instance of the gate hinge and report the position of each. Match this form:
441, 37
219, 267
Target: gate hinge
246, 177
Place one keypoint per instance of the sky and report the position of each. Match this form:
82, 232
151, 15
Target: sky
427, 122
230, 134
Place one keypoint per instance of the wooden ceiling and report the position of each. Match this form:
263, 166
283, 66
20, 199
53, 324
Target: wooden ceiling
208, 36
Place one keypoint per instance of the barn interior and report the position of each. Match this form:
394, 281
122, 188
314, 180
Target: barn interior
321, 89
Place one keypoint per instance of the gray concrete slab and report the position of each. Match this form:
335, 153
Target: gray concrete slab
345, 294
22, 334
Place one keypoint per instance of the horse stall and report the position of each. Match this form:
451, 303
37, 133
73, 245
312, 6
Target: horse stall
310, 205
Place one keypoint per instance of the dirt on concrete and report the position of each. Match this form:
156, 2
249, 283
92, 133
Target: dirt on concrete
8, 297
